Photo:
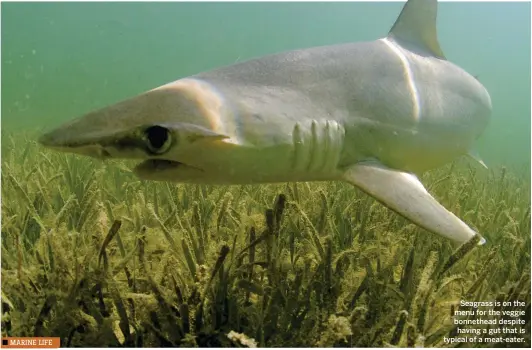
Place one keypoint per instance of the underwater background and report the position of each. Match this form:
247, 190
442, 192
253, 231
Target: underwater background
96, 256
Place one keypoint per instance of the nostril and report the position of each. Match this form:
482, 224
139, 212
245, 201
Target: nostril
104, 153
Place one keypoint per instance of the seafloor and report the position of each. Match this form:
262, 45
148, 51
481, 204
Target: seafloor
97, 257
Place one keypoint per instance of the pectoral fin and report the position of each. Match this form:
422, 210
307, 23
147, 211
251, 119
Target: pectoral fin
475, 156
404, 193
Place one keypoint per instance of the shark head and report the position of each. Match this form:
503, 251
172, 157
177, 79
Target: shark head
171, 130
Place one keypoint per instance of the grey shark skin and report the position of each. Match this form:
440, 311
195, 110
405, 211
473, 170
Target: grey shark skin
372, 114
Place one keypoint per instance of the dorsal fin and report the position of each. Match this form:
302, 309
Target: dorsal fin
417, 25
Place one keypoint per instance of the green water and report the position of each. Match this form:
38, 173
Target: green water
60, 60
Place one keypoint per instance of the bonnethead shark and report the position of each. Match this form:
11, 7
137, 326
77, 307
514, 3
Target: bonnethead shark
373, 114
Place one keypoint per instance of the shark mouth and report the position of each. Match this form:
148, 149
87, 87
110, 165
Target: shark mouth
159, 165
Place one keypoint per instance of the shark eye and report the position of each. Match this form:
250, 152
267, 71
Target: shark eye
158, 139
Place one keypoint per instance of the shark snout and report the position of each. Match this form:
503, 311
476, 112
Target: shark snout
53, 140
75, 134
59, 139
46, 140
61, 136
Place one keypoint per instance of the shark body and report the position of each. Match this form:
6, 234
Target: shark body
371, 113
